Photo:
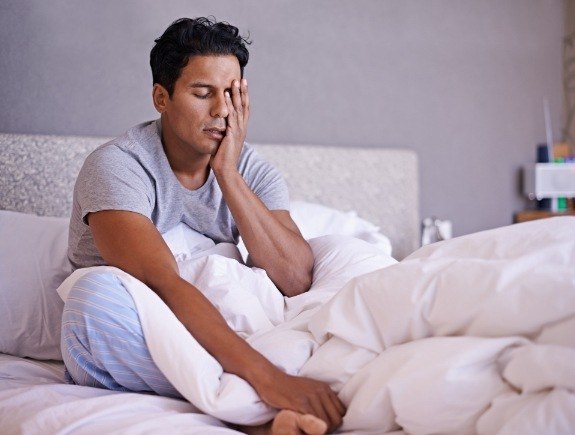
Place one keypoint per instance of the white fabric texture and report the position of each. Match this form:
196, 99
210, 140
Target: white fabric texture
473, 334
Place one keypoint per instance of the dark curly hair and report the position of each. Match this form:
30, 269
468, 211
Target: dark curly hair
188, 37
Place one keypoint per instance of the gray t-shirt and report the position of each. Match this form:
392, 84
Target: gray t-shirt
132, 173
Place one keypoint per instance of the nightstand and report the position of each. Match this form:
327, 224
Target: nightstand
530, 215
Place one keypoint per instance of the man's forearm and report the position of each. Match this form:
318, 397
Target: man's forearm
279, 250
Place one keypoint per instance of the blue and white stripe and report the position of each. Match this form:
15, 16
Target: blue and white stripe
103, 343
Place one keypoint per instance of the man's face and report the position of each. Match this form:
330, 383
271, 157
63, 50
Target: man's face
194, 118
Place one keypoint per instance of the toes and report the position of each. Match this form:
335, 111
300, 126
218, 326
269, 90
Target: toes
311, 425
289, 422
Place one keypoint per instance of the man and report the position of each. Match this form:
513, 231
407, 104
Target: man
189, 166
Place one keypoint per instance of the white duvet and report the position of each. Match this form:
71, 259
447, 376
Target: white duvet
474, 334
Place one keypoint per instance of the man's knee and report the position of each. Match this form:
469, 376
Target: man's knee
96, 287
103, 344
100, 300
99, 317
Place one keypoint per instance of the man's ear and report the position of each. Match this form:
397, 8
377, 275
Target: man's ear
160, 97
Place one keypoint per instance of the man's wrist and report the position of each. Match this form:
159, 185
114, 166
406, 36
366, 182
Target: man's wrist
227, 176
262, 375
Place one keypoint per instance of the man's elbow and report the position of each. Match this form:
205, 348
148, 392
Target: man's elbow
298, 282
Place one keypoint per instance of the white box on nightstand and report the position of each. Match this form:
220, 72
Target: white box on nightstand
549, 180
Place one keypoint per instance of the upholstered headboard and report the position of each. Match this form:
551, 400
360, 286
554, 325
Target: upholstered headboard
37, 175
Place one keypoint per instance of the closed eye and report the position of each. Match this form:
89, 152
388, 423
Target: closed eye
201, 90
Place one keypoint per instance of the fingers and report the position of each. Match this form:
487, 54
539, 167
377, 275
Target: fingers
327, 407
337, 403
333, 412
231, 118
306, 396
245, 97
239, 102
311, 425
319, 410
237, 98
288, 422
336, 411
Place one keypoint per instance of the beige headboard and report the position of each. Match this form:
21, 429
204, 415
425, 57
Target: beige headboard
37, 175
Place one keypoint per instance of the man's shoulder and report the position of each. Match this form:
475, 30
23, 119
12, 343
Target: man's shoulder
137, 140
112, 153
118, 171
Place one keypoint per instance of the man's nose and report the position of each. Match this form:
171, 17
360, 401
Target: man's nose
220, 108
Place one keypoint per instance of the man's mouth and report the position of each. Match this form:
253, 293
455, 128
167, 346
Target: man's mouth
215, 133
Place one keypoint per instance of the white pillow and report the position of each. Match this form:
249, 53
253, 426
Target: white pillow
315, 220
33, 263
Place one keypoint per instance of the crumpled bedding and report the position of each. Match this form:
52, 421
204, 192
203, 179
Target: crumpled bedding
473, 334
253, 307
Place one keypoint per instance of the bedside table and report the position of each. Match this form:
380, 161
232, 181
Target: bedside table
530, 215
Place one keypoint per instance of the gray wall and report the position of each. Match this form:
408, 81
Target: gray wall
460, 81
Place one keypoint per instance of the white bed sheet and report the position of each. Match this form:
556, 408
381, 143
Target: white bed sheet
34, 399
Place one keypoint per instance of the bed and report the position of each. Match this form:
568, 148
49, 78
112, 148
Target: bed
469, 335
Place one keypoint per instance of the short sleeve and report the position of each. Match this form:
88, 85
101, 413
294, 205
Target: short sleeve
112, 179
265, 180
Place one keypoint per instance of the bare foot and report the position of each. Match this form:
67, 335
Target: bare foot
288, 422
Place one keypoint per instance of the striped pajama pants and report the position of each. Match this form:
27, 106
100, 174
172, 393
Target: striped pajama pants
103, 343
